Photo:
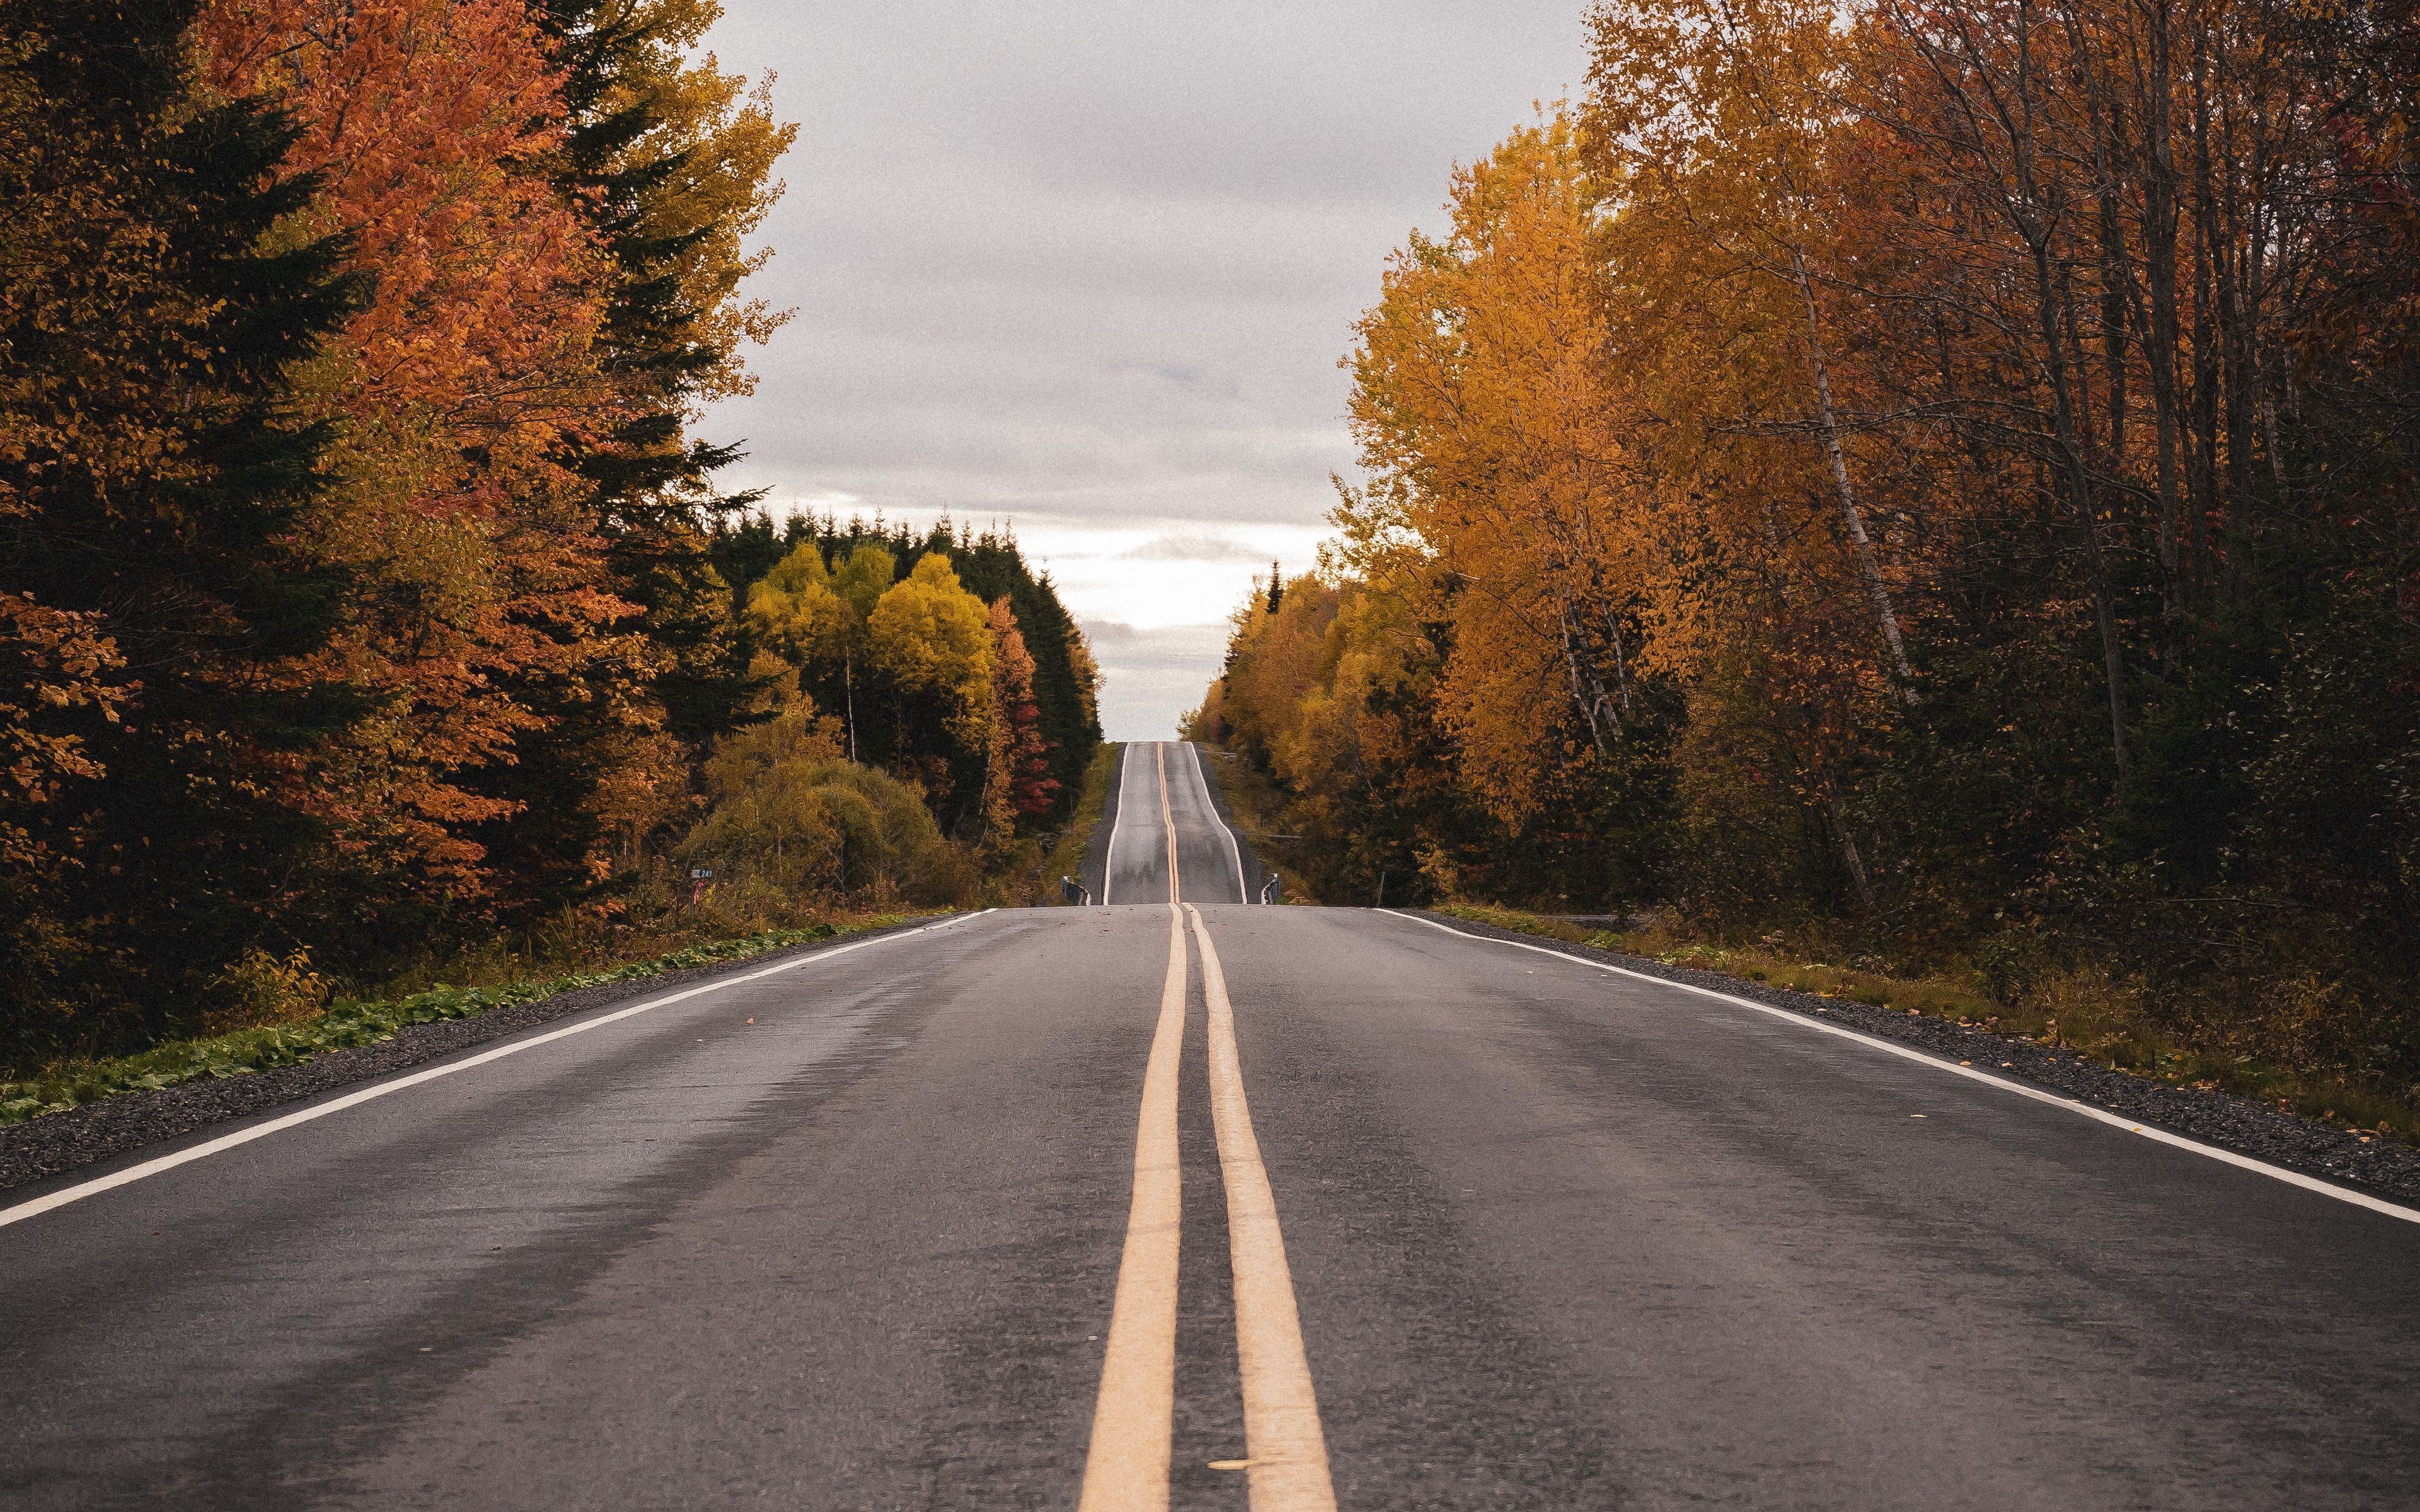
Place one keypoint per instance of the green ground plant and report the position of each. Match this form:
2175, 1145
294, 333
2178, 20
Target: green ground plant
349, 1023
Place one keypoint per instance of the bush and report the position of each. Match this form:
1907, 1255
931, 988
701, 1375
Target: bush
788, 812
259, 990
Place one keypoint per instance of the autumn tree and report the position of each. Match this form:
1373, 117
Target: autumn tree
860, 563
1935, 476
361, 340
930, 641
457, 388
788, 814
669, 160
166, 626
1511, 492
1017, 785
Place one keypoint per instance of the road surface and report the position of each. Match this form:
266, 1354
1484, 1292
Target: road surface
1164, 825
1207, 1206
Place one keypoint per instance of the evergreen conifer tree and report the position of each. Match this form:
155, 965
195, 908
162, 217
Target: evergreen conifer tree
153, 305
672, 170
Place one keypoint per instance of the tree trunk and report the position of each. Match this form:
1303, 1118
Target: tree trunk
2205, 341
1851, 515
2028, 218
2160, 267
1849, 855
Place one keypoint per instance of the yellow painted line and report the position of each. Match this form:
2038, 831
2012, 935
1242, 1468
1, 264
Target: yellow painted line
1126, 1467
1168, 821
1286, 1451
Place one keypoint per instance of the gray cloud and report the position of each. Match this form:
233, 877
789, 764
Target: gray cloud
1095, 262
1194, 549
1153, 674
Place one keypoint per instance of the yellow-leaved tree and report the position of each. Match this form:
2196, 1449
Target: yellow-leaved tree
931, 641
816, 620
1482, 413
791, 816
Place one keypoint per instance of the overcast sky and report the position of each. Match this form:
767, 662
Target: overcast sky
1087, 269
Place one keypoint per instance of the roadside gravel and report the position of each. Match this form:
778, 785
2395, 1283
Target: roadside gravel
1094, 872
57, 1143
2383, 1167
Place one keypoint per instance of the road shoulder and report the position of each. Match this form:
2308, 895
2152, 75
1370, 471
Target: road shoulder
2378, 1167
56, 1144
1094, 872
1213, 769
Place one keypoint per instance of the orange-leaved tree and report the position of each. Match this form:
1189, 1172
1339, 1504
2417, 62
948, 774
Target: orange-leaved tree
459, 384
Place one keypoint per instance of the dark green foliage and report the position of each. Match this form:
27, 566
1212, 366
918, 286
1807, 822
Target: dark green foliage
653, 502
149, 321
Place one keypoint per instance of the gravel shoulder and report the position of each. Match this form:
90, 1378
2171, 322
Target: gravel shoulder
1096, 850
57, 1143
2381, 1167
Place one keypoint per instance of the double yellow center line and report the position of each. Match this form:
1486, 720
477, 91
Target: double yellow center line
1133, 1422
1167, 822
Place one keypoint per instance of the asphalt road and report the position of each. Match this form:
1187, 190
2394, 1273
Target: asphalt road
1369, 1213
1157, 819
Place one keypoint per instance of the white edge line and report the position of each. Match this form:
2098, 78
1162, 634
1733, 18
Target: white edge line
2276, 1173
1109, 856
1243, 894
377, 1089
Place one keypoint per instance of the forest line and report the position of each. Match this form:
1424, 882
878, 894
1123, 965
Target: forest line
365, 589
1930, 484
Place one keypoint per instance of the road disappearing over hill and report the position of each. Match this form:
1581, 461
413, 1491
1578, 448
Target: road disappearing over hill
1174, 1202
1168, 842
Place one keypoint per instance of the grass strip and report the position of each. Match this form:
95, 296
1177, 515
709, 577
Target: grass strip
1067, 858
349, 1024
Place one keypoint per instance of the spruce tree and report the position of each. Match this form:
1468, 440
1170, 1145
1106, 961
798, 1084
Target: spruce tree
154, 305
640, 156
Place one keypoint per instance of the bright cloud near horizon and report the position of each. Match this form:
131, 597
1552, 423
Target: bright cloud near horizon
1087, 270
